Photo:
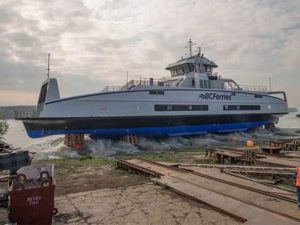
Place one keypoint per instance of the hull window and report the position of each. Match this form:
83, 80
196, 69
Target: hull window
181, 107
241, 107
199, 107
156, 92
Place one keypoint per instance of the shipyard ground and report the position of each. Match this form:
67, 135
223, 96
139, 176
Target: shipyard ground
140, 204
92, 191
112, 196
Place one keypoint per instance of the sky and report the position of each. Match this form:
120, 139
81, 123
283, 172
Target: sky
93, 43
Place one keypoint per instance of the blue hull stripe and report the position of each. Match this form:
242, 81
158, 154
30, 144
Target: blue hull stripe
153, 131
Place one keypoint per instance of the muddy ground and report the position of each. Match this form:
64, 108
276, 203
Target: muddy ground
95, 192
89, 173
90, 190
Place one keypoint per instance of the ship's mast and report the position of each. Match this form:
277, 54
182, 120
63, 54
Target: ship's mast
190, 46
48, 69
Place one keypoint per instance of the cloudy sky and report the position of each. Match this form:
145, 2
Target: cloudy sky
94, 42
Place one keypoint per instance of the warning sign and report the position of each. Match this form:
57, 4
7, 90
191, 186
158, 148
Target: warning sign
35, 200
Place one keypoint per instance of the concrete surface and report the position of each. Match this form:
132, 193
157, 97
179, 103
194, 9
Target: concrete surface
143, 204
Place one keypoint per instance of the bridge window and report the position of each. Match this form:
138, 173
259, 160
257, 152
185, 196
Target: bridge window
205, 84
193, 82
180, 70
191, 67
186, 68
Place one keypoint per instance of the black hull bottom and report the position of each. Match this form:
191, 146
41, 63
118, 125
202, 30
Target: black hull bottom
145, 126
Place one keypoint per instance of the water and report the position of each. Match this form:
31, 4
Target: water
289, 121
53, 147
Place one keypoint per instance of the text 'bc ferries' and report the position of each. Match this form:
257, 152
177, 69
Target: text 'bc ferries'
193, 100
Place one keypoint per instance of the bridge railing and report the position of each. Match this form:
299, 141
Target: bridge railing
253, 88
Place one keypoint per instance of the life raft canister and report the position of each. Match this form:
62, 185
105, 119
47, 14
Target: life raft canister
298, 177
77, 146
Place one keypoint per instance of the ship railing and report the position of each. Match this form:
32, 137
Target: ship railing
143, 82
146, 82
111, 88
253, 88
133, 83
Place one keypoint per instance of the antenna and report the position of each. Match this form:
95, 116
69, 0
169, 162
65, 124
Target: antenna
48, 69
198, 58
190, 46
270, 83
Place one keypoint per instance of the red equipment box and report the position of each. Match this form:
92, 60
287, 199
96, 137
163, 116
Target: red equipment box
32, 201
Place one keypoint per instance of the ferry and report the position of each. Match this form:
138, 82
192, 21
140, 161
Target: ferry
193, 100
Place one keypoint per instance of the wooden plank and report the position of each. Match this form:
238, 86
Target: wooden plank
233, 207
230, 154
263, 220
248, 195
270, 148
252, 168
223, 175
279, 161
260, 172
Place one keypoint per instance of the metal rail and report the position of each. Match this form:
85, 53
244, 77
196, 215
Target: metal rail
223, 181
239, 167
267, 184
262, 155
122, 164
278, 92
149, 171
245, 187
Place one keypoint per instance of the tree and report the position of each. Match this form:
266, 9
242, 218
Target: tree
3, 128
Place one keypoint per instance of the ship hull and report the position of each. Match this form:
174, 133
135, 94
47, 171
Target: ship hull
147, 126
152, 111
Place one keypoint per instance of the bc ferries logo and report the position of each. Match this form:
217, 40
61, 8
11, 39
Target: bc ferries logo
215, 96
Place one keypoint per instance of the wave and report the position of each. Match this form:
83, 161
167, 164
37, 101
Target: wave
54, 147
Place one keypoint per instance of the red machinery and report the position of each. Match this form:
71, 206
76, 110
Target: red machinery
31, 201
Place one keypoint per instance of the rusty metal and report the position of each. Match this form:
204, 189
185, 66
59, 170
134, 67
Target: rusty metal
242, 186
220, 180
75, 141
225, 182
131, 139
32, 201
122, 164
239, 167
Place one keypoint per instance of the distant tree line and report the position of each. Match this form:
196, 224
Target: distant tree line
3, 128
13, 112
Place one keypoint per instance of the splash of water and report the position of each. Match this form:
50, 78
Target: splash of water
107, 147
52, 148
55, 148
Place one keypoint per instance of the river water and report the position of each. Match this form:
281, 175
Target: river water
53, 147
